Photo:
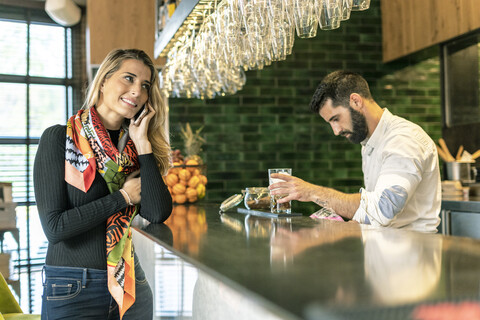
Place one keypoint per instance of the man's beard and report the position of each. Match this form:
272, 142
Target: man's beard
359, 127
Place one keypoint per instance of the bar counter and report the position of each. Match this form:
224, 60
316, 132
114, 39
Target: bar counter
251, 267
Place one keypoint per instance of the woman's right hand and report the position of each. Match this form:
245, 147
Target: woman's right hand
139, 132
133, 187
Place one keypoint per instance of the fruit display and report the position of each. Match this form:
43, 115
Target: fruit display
187, 179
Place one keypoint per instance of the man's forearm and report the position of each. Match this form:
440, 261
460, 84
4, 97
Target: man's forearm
344, 204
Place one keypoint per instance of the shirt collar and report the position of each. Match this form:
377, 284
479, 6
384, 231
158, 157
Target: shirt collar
376, 137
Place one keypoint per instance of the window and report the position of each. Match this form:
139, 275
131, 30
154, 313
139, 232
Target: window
37, 90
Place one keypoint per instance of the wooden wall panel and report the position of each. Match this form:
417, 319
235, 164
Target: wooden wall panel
115, 24
412, 25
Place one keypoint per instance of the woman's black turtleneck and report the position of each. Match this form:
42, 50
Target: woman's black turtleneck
74, 221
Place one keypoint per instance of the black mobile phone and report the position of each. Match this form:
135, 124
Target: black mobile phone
140, 115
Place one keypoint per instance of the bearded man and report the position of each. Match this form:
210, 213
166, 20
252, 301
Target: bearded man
399, 161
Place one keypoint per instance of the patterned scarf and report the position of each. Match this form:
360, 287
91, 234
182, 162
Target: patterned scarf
90, 149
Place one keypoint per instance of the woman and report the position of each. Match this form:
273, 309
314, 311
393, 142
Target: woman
91, 178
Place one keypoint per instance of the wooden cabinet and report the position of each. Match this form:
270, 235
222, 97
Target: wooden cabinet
411, 25
113, 24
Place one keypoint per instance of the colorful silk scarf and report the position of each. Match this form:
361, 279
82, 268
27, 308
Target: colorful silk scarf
90, 149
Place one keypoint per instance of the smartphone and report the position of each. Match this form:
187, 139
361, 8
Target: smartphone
140, 115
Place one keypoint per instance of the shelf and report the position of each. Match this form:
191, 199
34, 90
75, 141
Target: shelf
174, 24
188, 12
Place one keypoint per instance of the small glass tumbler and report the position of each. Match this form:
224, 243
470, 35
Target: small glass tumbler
346, 9
305, 18
329, 13
276, 207
360, 5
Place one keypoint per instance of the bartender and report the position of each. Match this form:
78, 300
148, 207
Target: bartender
399, 161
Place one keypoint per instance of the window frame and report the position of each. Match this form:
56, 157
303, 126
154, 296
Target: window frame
33, 13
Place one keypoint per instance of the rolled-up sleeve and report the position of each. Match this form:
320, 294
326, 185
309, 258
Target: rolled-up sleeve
398, 180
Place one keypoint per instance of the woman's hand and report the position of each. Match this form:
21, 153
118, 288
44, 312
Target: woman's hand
139, 132
133, 187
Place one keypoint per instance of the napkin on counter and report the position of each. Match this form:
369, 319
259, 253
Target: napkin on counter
325, 213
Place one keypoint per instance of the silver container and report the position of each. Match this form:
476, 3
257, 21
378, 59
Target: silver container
463, 171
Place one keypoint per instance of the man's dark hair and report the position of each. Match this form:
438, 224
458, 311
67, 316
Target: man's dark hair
338, 86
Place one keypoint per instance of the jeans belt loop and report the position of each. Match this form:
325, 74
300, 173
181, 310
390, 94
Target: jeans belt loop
84, 278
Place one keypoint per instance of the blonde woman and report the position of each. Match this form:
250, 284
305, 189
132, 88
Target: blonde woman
92, 177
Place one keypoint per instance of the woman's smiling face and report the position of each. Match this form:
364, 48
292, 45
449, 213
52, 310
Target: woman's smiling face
124, 93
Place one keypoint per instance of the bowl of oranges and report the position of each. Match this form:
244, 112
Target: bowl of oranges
186, 181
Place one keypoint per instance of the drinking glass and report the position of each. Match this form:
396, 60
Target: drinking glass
279, 43
290, 30
347, 8
276, 207
306, 21
329, 13
360, 5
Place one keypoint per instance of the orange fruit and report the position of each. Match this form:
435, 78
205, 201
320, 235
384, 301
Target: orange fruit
184, 174
196, 172
191, 192
180, 198
191, 163
203, 179
171, 179
179, 189
175, 170
192, 199
194, 181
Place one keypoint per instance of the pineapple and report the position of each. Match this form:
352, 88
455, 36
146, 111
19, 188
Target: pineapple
193, 143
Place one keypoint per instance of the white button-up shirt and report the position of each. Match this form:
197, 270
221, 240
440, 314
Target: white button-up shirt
402, 177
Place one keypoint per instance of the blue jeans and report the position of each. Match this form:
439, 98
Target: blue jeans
82, 293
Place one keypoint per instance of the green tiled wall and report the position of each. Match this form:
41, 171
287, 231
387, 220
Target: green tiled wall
269, 124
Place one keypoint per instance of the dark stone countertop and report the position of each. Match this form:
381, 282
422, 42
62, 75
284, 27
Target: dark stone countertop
313, 269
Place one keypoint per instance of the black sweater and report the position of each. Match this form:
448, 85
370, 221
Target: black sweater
74, 222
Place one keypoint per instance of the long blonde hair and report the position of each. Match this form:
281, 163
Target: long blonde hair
157, 133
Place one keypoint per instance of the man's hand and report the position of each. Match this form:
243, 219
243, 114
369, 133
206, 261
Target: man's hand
295, 188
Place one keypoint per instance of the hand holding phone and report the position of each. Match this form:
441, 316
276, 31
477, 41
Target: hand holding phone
141, 114
138, 129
